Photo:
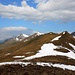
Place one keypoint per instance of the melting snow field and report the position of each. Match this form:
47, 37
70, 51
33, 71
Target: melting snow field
69, 67
48, 50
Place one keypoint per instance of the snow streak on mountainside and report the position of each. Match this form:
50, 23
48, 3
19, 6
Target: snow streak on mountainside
57, 38
69, 67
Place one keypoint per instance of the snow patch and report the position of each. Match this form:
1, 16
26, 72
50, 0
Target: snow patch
29, 52
18, 56
11, 63
38, 33
17, 39
69, 67
7, 54
72, 46
25, 35
73, 36
56, 38
63, 66
25, 40
63, 32
48, 50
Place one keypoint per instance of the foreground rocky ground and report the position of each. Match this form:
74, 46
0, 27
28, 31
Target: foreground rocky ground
32, 70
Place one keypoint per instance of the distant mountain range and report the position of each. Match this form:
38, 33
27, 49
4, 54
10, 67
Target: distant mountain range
22, 36
43, 49
73, 33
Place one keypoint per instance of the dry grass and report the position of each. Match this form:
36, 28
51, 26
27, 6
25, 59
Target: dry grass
21, 48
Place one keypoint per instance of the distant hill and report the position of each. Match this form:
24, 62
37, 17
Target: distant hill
73, 33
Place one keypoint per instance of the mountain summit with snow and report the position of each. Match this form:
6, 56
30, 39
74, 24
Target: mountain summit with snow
21, 37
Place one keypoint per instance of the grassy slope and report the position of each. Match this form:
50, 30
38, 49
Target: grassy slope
21, 48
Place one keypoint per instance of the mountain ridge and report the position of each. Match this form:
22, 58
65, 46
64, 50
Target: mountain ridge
45, 48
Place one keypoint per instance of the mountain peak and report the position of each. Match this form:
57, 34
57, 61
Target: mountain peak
65, 32
39, 33
21, 37
24, 35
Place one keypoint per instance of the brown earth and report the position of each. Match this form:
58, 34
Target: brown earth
33, 70
62, 50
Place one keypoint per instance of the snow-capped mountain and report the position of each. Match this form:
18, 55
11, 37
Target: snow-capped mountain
21, 37
39, 33
50, 50
36, 34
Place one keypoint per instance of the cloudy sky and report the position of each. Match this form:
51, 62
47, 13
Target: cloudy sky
28, 16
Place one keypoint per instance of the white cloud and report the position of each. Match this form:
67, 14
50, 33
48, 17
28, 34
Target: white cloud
14, 28
40, 1
63, 10
9, 32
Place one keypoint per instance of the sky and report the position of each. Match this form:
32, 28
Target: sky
29, 16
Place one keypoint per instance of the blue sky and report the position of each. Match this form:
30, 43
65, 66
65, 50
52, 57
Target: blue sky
38, 15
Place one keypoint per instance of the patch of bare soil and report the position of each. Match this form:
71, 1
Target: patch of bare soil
33, 70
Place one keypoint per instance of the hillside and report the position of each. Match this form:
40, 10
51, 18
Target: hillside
51, 51
13, 41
